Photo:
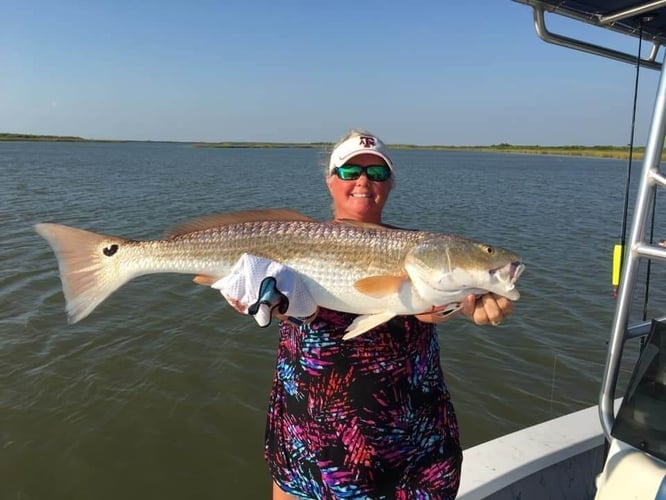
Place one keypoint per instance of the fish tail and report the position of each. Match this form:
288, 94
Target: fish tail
89, 266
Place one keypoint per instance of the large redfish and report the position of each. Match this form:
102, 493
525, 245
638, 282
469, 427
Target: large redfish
360, 268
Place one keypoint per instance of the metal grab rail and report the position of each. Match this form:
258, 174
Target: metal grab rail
572, 43
611, 22
634, 11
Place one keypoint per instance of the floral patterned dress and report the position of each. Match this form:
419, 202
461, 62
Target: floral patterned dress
370, 417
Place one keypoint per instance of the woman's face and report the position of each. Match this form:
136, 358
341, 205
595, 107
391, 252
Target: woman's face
361, 199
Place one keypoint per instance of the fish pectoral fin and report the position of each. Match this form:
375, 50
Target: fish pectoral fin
204, 279
380, 286
366, 322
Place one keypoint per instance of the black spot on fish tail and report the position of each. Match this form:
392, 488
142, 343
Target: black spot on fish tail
110, 250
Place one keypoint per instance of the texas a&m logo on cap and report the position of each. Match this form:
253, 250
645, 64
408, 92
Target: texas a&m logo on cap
367, 141
357, 144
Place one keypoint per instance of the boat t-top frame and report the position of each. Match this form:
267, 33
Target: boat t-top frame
646, 20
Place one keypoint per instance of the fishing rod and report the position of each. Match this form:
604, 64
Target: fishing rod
618, 251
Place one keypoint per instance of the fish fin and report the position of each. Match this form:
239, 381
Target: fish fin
380, 286
369, 225
366, 322
215, 220
204, 279
88, 264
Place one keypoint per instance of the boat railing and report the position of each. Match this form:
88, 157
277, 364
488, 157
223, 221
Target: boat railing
573, 43
629, 21
637, 249
616, 21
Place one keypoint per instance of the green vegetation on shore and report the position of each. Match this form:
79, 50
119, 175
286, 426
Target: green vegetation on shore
31, 137
261, 144
48, 138
618, 152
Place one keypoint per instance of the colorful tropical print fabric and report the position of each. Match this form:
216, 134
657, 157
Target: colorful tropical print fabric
366, 418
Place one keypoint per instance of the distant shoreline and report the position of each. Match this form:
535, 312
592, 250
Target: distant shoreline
616, 152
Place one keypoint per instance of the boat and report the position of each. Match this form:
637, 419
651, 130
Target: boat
616, 449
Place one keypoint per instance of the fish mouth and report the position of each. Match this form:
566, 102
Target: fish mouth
508, 274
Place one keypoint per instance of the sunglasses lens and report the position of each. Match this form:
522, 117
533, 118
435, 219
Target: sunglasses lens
349, 172
378, 173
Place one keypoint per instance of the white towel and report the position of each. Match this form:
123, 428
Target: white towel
243, 283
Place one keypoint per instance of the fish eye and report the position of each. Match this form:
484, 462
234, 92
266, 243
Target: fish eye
488, 249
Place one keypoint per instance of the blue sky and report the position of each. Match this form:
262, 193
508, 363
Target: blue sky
420, 72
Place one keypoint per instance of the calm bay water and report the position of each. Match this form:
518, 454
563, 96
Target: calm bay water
162, 391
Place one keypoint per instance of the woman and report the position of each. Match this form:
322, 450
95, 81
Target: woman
370, 417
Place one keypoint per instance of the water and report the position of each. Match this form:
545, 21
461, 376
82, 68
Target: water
162, 391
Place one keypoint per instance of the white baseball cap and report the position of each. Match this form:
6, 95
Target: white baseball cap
356, 145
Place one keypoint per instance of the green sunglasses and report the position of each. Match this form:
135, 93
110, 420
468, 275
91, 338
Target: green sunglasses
376, 173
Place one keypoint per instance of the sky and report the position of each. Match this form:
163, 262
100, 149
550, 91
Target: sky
419, 72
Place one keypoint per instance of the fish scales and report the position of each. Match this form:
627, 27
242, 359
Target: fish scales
301, 245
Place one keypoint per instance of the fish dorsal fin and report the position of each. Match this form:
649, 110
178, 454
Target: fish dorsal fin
215, 220
380, 286
368, 225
